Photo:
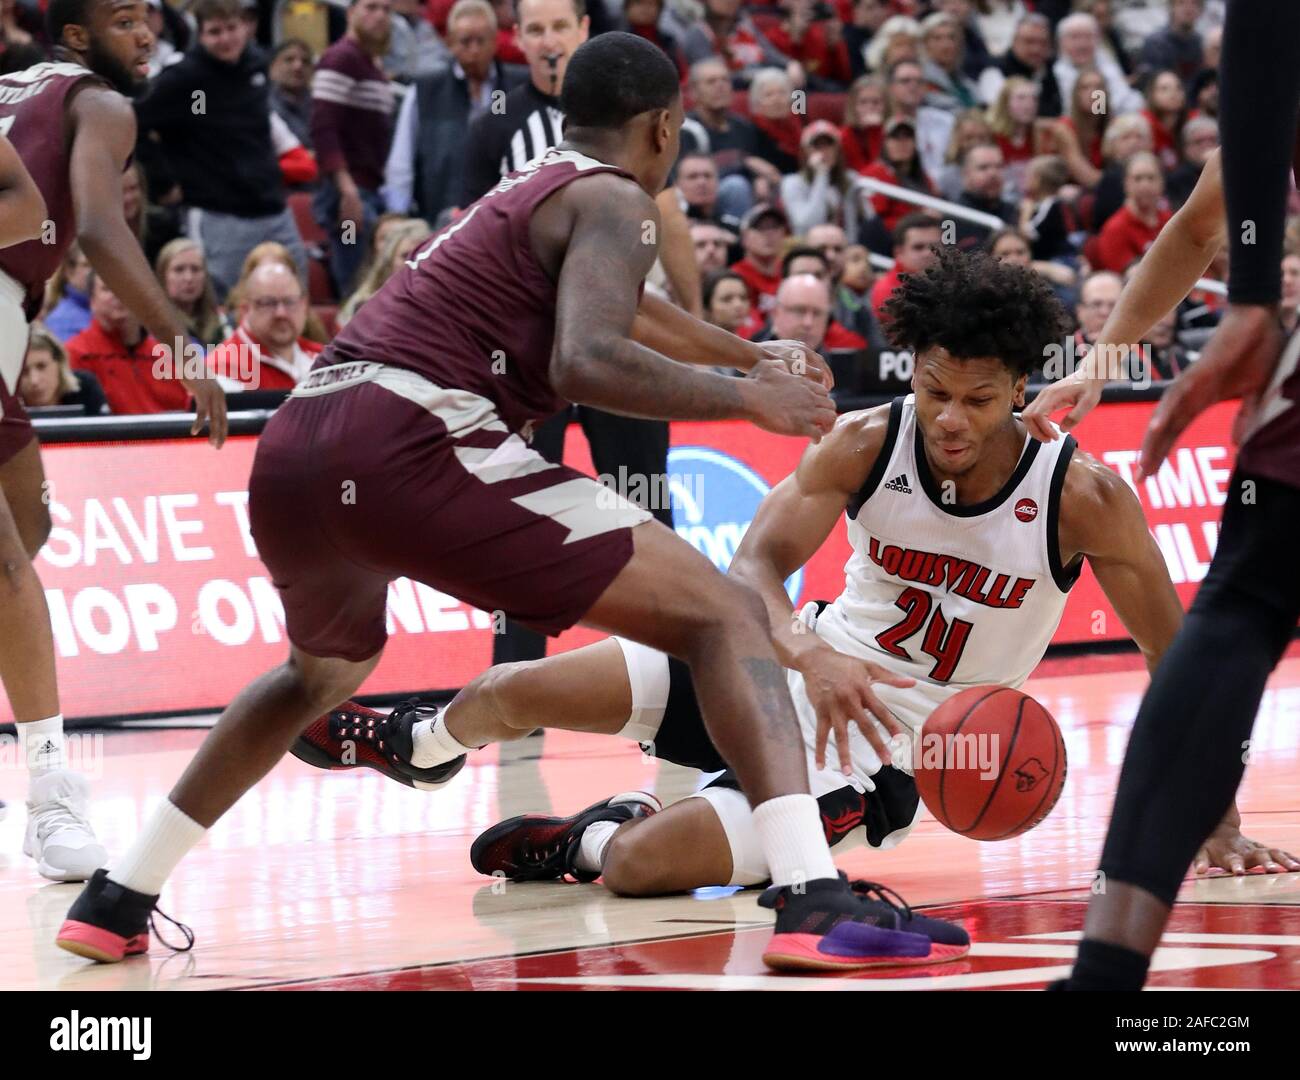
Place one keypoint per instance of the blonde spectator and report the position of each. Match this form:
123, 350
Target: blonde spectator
47, 378
183, 273
400, 241
1013, 118
864, 121
942, 47
771, 106
898, 39
971, 128
66, 310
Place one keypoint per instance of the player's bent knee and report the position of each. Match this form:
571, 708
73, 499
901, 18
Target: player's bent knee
632, 867
510, 691
325, 682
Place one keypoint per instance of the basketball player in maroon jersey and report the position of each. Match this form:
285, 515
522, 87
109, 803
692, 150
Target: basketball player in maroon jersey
1191, 740
74, 129
403, 454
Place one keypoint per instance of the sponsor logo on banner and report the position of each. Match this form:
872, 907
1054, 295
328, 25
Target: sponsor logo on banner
713, 513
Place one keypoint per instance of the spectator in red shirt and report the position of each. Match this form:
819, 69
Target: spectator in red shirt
267, 350
971, 129
763, 234
915, 238
1078, 136
117, 351
1166, 112
1133, 228
900, 163
864, 122
810, 33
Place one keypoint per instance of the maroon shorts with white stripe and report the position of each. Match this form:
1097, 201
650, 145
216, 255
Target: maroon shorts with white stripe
370, 473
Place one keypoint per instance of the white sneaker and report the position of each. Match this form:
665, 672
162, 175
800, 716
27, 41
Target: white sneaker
59, 836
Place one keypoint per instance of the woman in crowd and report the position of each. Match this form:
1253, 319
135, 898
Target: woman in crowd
1125, 136
779, 126
947, 85
1013, 117
400, 242
183, 273
726, 299
1078, 136
67, 299
864, 122
900, 163
1166, 112
970, 129
1133, 227
975, 53
823, 191
48, 380
899, 39
1012, 246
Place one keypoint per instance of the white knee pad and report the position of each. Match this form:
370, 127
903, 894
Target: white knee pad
647, 672
748, 864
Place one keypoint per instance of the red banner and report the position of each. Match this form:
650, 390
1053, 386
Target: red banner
159, 603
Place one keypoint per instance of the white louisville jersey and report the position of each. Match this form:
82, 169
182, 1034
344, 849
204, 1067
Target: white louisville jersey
954, 596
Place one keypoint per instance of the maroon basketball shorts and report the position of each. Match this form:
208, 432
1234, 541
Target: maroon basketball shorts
15, 426
370, 473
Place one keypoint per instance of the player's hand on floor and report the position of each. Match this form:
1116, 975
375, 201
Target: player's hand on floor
209, 408
1238, 361
800, 359
1229, 852
840, 689
787, 404
1078, 392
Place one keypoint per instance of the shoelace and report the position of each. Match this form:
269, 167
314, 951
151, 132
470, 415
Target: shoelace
55, 814
189, 934
883, 893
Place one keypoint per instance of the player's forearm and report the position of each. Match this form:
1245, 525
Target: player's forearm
115, 255
621, 376
793, 640
677, 334
1166, 274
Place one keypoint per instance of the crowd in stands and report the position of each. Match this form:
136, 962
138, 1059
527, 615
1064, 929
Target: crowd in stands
292, 153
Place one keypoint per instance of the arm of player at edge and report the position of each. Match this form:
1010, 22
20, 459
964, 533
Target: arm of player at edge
102, 145
793, 521
1167, 273
596, 361
22, 207
1102, 520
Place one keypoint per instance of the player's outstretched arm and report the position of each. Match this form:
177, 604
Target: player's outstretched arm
679, 335
1179, 257
596, 362
22, 208
103, 141
791, 523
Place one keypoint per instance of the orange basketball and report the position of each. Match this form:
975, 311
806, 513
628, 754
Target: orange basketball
990, 763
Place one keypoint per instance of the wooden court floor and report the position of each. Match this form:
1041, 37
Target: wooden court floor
319, 881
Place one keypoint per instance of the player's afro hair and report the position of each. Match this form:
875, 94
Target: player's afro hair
974, 306
614, 77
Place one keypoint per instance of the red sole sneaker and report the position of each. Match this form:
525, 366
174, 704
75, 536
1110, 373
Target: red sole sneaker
809, 952
96, 943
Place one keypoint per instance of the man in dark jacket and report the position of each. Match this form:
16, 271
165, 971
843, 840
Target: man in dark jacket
427, 161
206, 124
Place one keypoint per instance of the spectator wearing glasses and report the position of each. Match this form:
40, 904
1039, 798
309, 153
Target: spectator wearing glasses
272, 315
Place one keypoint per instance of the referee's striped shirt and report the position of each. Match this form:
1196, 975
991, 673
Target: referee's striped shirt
503, 140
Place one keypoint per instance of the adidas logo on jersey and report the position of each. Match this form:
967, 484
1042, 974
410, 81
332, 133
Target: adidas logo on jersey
899, 484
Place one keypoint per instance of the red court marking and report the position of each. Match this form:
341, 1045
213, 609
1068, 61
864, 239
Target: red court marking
738, 953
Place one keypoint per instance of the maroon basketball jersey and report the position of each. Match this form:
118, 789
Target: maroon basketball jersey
472, 309
31, 117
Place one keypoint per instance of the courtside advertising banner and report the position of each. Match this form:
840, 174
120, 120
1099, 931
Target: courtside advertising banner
159, 603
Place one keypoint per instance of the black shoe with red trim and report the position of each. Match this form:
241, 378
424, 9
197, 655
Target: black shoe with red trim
353, 737
533, 847
109, 922
824, 925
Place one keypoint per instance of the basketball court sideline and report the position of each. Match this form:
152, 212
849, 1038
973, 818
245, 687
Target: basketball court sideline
350, 881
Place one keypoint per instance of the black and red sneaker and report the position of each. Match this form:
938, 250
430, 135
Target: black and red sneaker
533, 847
825, 925
109, 922
354, 737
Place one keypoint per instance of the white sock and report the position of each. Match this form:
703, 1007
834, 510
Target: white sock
591, 848
165, 840
43, 745
794, 843
434, 744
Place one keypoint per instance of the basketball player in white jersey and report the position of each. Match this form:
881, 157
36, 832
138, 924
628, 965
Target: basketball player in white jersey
967, 536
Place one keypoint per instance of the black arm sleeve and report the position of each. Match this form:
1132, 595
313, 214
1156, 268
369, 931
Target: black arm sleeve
1260, 92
